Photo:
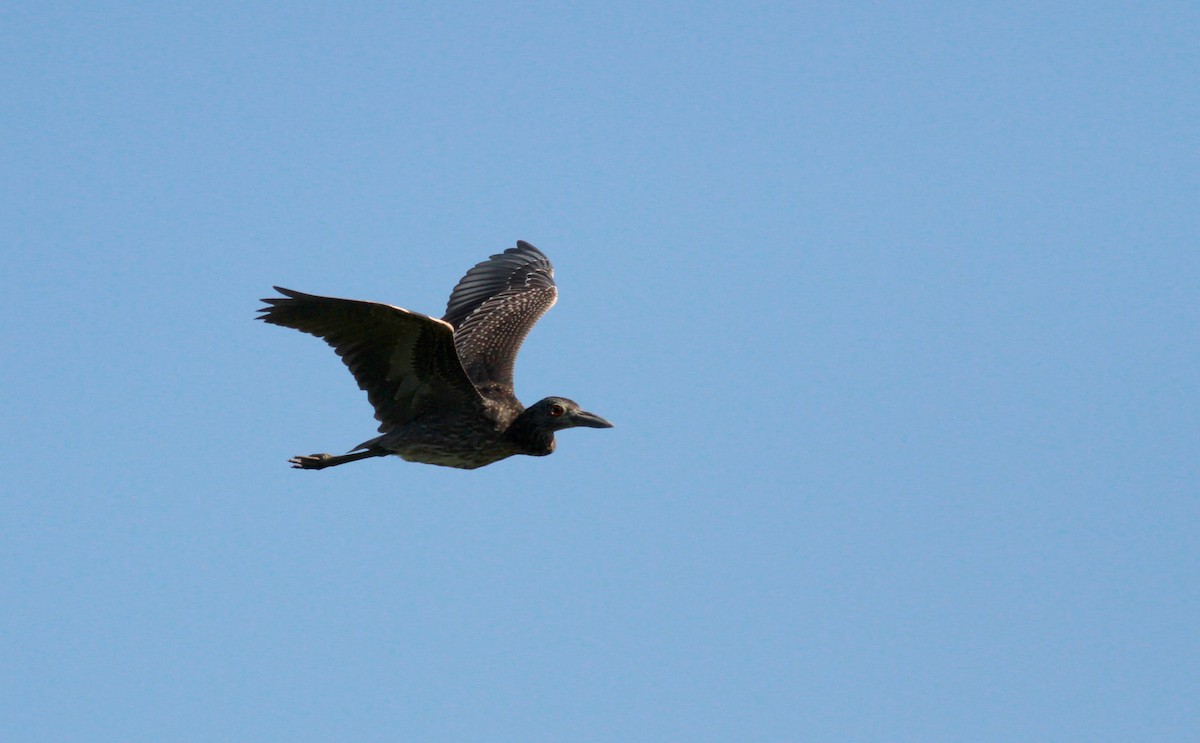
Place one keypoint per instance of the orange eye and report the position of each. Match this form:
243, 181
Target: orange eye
557, 410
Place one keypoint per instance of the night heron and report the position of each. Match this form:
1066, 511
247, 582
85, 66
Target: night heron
443, 389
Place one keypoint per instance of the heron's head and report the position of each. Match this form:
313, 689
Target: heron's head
559, 413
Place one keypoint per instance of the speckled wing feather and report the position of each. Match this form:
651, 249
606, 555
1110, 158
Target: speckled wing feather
405, 361
493, 308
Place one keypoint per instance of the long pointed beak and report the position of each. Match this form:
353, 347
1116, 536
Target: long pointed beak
590, 420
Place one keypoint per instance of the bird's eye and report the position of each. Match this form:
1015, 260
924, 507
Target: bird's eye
557, 410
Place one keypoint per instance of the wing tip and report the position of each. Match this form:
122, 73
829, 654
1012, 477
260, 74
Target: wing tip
528, 248
273, 303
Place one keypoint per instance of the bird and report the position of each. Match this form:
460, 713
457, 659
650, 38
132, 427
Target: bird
442, 390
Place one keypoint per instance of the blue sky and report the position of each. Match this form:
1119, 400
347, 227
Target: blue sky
894, 307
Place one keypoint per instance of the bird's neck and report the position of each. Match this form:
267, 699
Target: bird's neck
530, 439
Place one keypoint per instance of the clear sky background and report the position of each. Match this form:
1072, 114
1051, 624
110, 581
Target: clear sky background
894, 307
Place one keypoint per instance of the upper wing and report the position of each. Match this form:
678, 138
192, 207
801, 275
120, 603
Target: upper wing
405, 361
493, 308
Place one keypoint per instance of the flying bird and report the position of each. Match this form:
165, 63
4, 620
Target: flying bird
443, 389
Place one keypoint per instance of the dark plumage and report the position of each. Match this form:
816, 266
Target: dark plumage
443, 389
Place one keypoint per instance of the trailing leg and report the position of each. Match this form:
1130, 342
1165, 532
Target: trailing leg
321, 461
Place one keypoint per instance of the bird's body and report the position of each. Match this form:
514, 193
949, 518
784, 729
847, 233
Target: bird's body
443, 389
457, 440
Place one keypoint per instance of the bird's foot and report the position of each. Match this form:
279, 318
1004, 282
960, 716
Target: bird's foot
311, 461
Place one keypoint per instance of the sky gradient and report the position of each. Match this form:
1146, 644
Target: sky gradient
893, 306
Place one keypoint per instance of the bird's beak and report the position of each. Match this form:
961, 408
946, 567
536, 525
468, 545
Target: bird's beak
591, 420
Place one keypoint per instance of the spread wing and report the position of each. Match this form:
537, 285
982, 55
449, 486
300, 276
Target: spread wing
405, 361
493, 308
